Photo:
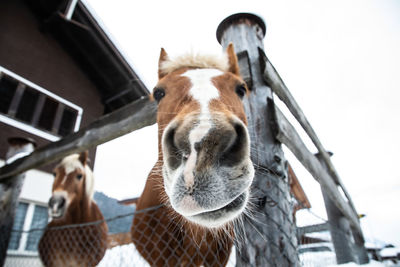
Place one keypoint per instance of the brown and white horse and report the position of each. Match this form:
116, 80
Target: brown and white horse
204, 172
64, 243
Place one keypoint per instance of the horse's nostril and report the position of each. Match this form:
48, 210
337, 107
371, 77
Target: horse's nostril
58, 201
51, 202
237, 148
174, 154
197, 146
62, 202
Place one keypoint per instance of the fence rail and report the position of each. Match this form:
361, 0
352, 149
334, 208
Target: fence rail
134, 116
320, 166
288, 136
279, 88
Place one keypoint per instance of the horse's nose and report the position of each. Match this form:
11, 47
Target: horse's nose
57, 202
223, 143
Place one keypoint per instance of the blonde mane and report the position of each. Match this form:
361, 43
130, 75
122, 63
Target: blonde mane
195, 60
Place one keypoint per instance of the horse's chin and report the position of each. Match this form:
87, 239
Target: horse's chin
222, 216
56, 214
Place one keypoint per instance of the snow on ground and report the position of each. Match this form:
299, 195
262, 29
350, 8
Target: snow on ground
127, 255
390, 252
370, 264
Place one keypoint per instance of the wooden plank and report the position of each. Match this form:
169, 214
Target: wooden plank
134, 116
288, 136
279, 88
315, 228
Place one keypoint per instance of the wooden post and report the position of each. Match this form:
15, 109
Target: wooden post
269, 233
341, 232
10, 188
359, 247
339, 228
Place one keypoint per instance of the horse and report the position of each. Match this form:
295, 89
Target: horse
201, 180
65, 241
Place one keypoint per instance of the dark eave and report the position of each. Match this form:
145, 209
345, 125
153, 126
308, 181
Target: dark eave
87, 43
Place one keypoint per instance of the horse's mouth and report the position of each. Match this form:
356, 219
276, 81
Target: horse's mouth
219, 217
56, 214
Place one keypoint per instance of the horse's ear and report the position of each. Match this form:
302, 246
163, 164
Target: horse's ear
84, 157
163, 57
232, 60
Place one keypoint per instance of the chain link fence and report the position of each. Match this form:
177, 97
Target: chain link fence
270, 226
89, 245
316, 248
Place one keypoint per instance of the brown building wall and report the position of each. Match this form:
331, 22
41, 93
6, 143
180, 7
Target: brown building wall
37, 57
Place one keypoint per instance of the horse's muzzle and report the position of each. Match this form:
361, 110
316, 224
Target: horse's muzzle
214, 142
207, 168
57, 206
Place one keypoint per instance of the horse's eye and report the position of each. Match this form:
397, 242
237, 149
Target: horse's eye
79, 176
158, 94
54, 174
241, 90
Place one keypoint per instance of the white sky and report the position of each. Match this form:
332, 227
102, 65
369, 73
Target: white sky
339, 58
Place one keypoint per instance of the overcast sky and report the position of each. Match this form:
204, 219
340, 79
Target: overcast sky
339, 58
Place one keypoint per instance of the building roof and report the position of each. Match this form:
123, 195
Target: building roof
88, 44
297, 190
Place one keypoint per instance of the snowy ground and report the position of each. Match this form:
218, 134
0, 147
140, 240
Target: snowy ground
127, 255
370, 264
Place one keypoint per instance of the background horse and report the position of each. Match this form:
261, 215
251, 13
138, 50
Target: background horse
72, 203
204, 172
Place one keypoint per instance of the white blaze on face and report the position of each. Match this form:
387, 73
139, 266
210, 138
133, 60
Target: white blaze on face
203, 91
72, 163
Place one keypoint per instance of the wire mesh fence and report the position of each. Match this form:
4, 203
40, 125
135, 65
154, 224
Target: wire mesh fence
89, 244
317, 249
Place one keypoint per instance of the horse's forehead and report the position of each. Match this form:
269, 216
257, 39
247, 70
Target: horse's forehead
202, 88
70, 165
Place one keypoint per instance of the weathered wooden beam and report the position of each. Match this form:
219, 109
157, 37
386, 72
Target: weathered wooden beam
134, 116
341, 233
339, 227
315, 228
289, 137
279, 88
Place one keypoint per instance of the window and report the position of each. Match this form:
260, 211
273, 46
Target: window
67, 121
39, 221
48, 114
28, 106
18, 226
7, 90
30, 221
